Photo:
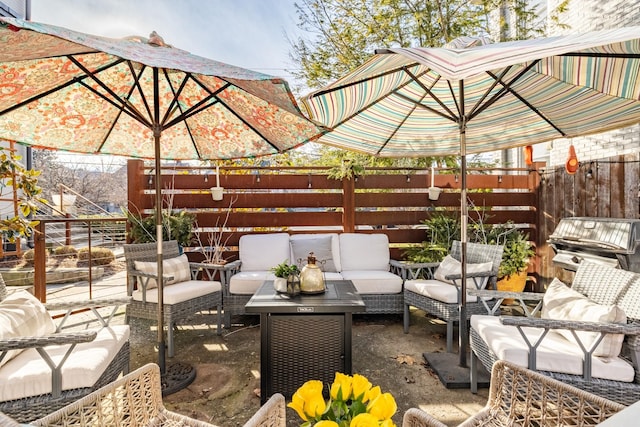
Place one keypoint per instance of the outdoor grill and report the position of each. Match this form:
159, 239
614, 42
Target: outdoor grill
610, 241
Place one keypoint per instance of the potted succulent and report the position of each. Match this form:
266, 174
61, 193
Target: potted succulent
282, 272
512, 274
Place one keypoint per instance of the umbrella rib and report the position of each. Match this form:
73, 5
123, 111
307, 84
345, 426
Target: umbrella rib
174, 102
603, 55
57, 88
200, 106
406, 117
529, 105
428, 91
121, 108
488, 91
124, 103
357, 82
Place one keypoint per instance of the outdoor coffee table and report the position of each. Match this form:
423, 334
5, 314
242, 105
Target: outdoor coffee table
307, 337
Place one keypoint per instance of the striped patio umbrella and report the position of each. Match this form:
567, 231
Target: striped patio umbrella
475, 97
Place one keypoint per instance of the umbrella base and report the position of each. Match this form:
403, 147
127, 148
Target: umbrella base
177, 377
451, 374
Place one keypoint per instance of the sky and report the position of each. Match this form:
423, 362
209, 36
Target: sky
247, 33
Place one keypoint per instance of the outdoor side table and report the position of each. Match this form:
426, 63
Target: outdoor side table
307, 337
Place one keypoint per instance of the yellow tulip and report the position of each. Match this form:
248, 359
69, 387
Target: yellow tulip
341, 382
326, 423
308, 401
382, 407
371, 394
387, 423
364, 420
360, 386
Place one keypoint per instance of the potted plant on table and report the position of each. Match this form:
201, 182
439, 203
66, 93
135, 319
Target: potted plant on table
283, 273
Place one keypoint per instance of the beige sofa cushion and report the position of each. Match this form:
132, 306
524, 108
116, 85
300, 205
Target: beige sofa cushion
563, 303
360, 251
177, 267
437, 290
261, 252
23, 315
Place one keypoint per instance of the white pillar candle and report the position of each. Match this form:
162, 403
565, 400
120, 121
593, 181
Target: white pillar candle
432, 177
217, 176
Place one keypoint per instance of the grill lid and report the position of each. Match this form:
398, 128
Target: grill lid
612, 235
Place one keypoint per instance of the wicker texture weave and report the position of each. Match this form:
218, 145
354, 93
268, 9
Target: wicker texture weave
172, 312
32, 407
449, 312
604, 285
136, 400
521, 397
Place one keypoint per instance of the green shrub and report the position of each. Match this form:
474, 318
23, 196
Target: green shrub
99, 256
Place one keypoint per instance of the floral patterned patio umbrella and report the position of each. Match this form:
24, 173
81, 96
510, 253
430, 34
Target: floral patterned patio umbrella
138, 97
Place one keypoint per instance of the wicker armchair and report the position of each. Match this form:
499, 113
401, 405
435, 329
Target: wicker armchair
519, 396
136, 400
49, 362
425, 294
187, 298
601, 284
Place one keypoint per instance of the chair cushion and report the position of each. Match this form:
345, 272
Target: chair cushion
563, 303
180, 292
325, 247
29, 375
178, 267
437, 290
555, 353
23, 315
450, 265
364, 252
260, 252
374, 281
248, 282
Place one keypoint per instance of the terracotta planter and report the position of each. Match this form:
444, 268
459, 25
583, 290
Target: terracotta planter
513, 283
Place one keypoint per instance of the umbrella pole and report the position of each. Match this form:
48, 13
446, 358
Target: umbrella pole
464, 214
158, 175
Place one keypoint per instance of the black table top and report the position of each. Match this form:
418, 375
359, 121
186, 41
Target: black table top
340, 297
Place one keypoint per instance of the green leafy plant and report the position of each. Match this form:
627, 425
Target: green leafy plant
175, 226
284, 269
516, 255
14, 174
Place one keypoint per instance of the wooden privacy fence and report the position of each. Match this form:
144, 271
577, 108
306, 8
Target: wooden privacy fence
304, 200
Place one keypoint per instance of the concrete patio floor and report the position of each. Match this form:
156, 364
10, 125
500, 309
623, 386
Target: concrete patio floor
226, 389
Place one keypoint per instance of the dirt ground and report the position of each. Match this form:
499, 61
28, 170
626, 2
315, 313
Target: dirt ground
226, 389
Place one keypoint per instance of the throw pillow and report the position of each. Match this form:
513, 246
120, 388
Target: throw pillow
23, 315
450, 265
177, 267
560, 302
321, 248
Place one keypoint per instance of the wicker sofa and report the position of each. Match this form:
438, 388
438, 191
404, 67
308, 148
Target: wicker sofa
362, 258
587, 336
521, 397
43, 364
183, 295
136, 400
